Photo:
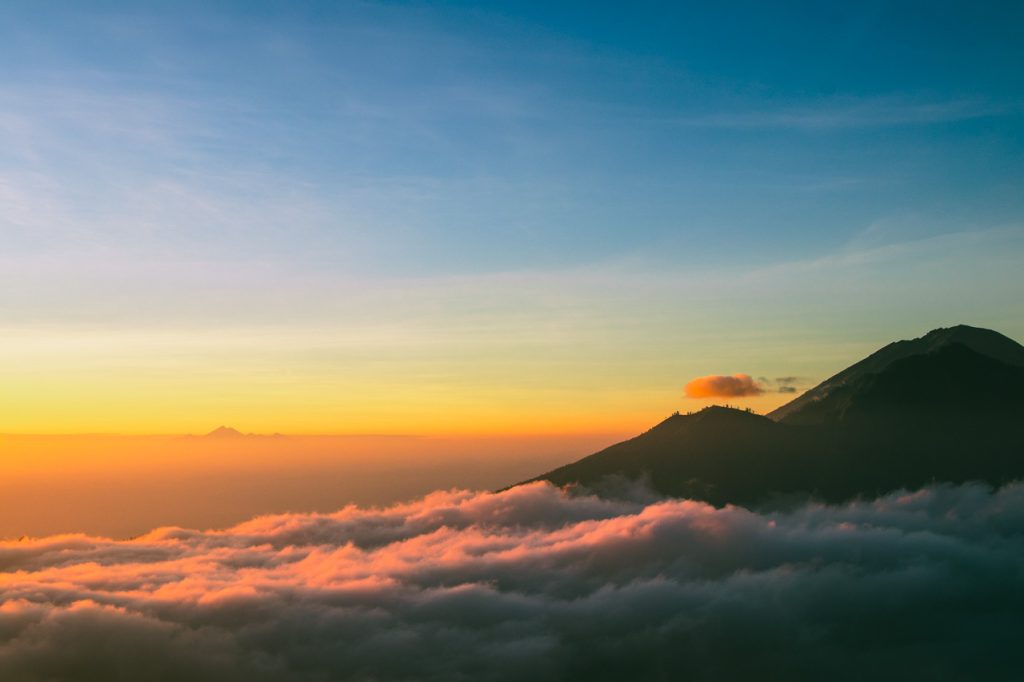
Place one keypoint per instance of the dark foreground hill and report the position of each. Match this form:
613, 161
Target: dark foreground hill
946, 407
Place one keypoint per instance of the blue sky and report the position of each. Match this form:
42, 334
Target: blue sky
797, 176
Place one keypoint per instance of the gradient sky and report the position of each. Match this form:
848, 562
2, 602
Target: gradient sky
488, 217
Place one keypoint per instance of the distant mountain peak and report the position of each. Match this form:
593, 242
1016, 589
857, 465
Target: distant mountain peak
224, 432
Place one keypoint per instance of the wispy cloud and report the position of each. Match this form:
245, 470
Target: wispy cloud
849, 112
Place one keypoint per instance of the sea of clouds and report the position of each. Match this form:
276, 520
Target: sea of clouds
534, 583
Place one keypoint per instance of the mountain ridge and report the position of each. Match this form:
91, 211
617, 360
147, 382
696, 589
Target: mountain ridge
984, 341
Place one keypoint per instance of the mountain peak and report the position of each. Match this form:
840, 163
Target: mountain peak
709, 416
224, 432
982, 341
722, 414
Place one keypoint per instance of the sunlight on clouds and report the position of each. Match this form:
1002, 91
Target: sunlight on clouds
530, 582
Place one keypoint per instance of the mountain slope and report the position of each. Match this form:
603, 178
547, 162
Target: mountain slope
718, 454
804, 409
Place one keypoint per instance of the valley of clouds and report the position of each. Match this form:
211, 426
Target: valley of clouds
532, 582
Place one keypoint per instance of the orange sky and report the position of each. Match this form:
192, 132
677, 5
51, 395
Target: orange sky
312, 381
54, 484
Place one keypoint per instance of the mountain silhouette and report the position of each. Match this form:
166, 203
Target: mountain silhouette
948, 406
225, 432
806, 409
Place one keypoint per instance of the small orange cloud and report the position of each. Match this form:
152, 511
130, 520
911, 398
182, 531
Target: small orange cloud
723, 386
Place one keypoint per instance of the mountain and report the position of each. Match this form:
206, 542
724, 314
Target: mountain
806, 408
719, 454
225, 432
948, 406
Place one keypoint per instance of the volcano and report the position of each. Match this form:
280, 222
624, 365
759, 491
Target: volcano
946, 407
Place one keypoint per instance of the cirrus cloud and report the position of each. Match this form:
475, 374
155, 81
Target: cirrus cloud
723, 386
532, 582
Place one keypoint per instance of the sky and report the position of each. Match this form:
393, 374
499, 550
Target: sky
485, 218
121, 486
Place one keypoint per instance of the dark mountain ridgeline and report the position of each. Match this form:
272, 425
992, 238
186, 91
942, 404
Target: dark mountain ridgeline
983, 341
946, 407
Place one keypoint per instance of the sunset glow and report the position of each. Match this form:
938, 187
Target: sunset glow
369, 230
375, 341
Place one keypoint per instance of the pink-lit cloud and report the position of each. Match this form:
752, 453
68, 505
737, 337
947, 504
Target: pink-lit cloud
723, 386
533, 583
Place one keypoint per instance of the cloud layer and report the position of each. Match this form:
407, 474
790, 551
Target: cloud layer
532, 583
723, 386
